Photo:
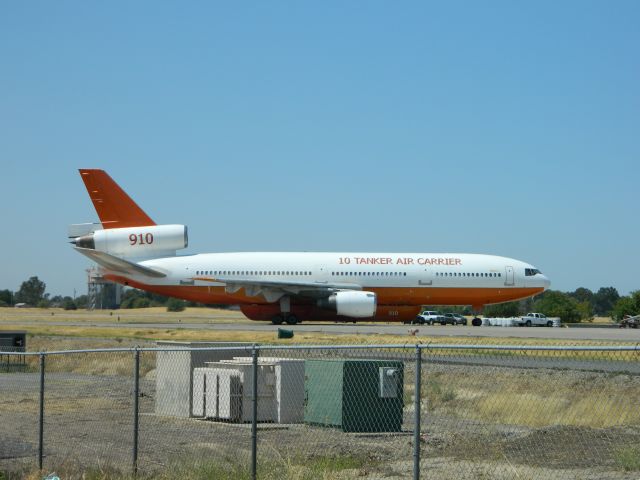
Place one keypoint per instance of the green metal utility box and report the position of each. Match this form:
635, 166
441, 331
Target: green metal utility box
354, 395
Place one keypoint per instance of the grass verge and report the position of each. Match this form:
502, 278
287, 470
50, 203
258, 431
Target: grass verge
200, 468
628, 458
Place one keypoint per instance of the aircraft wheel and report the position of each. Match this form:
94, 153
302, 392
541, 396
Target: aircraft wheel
291, 320
476, 322
277, 320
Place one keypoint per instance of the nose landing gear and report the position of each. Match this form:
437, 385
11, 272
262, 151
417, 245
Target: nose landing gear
477, 310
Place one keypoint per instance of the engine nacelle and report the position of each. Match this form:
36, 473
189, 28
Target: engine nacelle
351, 303
137, 242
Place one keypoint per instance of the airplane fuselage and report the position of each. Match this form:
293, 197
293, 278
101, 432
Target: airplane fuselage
398, 280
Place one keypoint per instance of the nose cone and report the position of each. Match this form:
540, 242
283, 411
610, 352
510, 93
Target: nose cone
546, 283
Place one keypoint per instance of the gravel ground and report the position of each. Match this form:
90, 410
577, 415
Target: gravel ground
89, 421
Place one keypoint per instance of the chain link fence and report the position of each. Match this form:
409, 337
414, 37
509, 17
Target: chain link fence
267, 412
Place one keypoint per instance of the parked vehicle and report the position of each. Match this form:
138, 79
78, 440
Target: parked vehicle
630, 322
455, 319
429, 317
531, 319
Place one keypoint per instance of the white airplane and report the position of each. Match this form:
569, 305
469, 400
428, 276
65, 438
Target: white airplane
289, 286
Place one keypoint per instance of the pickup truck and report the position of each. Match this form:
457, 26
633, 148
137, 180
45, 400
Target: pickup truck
430, 317
535, 319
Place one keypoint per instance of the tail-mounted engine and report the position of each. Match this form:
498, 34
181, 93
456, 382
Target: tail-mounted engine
136, 242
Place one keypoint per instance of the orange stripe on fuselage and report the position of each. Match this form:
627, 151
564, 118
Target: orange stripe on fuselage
386, 295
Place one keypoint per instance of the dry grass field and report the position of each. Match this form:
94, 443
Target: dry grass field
133, 315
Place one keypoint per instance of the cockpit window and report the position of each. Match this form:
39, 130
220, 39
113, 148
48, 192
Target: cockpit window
530, 272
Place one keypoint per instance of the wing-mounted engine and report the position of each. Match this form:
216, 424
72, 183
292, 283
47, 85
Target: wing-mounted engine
136, 242
356, 304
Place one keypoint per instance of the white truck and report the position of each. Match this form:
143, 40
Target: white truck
430, 317
531, 319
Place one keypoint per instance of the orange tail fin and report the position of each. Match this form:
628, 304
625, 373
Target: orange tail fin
114, 207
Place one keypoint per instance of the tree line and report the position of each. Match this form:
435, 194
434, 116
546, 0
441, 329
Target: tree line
578, 306
32, 292
581, 305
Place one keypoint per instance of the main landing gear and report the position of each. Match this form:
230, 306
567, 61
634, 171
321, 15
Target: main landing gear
285, 314
287, 318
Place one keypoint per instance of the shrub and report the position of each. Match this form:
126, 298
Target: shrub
69, 304
175, 305
141, 303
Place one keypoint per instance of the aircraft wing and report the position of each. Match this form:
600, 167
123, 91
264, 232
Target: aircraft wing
272, 290
118, 264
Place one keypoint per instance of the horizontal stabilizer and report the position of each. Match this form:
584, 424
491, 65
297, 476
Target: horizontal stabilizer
118, 264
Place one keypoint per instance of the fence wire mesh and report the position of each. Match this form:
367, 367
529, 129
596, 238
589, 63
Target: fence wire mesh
327, 412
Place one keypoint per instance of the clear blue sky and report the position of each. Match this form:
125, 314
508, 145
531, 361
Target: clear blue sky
509, 128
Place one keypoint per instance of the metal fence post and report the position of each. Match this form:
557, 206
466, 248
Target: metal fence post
136, 397
416, 428
41, 416
254, 411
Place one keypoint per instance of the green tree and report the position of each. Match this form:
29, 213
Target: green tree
56, 301
31, 292
558, 304
509, 309
69, 304
44, 303
6, 297
604, 300
129, 296
627, 306
132, 298
582, 295
81, 301
585, 310
141, 302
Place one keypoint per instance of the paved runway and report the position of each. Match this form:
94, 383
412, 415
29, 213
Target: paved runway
453, 331
608, 334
